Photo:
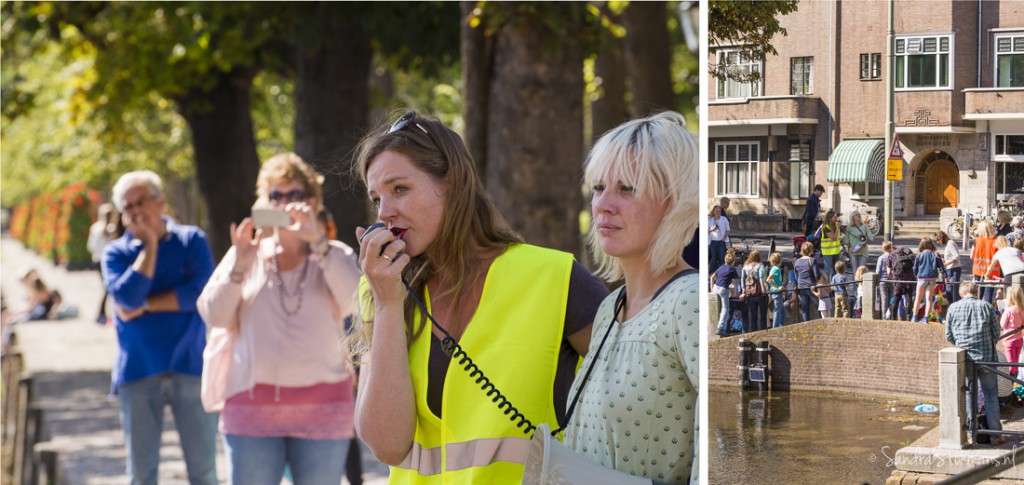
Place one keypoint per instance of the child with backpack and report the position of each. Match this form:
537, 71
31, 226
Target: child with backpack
775, 286
841, 292
901, 268
721, 279
753, 293
926, 270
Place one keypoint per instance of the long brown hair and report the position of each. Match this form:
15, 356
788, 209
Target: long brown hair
470, 224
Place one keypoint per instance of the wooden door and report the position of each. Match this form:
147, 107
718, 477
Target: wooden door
942, 186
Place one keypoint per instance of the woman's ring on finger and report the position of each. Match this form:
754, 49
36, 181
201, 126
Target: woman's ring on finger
387, 258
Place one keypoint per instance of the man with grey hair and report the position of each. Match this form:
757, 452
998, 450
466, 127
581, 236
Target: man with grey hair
972, 325
155, 272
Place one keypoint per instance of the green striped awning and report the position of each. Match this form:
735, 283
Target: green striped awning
857, 161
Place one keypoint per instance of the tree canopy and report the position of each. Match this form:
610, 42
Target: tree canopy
750, 25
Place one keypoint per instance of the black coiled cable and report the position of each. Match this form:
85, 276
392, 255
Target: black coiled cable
453, 349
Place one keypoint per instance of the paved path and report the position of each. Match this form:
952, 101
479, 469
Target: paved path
71, 361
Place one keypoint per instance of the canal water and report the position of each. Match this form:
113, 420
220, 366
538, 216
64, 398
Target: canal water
807, 437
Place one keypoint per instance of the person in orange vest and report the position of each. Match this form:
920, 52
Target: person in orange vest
521, 314
981, 258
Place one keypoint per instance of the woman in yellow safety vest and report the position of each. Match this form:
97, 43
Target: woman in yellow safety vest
831, 242
522, 313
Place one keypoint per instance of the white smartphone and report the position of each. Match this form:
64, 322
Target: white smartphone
270, 218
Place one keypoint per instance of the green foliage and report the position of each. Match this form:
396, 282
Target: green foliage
750, 24
57, 142
273, 114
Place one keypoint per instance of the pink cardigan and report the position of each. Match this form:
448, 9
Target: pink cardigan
225, 307
1012, 318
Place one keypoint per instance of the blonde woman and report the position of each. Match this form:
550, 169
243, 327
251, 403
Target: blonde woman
637, 411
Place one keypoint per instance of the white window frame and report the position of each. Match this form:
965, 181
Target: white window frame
918, 44
753, 88
871, 66
1000, 168
807, 62
1014, 37
797, 162
753, 168
995, 143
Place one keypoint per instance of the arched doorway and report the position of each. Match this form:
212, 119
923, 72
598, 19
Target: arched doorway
938, 182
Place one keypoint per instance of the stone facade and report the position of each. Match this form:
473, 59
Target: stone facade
947, 133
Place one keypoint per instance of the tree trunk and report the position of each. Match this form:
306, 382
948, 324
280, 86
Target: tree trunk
226, 162
610, 109
649, 56
331, 94
535, 132
477, 53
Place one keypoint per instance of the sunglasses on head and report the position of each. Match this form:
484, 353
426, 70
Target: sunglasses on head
294, 195
409, 118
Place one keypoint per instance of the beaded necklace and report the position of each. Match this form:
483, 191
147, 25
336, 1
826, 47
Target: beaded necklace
283, 292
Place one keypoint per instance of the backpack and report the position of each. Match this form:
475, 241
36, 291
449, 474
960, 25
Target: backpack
901, 264
751, 285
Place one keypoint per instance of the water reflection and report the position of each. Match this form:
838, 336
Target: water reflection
806, 437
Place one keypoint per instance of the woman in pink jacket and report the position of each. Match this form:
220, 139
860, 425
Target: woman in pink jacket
282, 294
1013, 318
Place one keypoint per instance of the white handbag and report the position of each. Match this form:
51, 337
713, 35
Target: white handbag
550, 462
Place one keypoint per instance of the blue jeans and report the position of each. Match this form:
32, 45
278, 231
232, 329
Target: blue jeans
723, 317
953, 276
142, 417
716, 253
808, 304
779, 317
990, 392
829, 263
856, 261
260, 461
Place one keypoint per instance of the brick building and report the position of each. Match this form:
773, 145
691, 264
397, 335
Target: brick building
818, 113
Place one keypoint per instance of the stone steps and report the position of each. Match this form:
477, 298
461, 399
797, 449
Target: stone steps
917, 228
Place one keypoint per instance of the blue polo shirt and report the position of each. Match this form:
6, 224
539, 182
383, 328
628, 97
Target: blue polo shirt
159, 342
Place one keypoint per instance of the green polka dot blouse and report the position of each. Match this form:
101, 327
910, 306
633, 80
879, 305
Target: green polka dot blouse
638, 412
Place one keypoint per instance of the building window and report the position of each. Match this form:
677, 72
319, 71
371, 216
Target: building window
736, 166
799, 169
737, 63
1009, 177
801, 75
1010, 61
923, 62
871, 66
1009, 146
868, 190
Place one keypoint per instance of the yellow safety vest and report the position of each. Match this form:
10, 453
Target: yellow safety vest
514, 339
830, 246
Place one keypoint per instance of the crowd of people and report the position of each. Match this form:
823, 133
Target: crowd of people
824, 279
268, 347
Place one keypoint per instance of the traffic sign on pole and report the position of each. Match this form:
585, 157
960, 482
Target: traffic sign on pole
895, 151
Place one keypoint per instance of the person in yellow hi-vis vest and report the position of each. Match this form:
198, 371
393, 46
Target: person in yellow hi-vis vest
831, 242
521, 313
637, 410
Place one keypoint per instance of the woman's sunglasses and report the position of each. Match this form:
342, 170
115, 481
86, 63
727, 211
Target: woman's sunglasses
294, 195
